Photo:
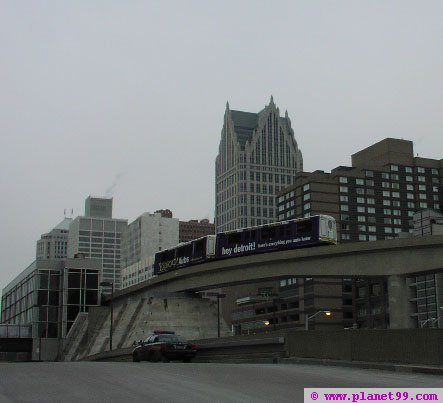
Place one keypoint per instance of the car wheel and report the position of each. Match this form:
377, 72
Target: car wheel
135, 357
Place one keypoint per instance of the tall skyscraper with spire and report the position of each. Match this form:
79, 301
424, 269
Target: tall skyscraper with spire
258, 156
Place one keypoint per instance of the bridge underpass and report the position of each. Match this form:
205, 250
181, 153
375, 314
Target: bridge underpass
395, 259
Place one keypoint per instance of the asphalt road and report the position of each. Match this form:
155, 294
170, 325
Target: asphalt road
129, 382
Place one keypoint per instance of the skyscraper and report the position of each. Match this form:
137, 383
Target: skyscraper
54, 244
258, 156
98, 235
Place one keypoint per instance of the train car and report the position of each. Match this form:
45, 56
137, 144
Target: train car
185, 254
298, 233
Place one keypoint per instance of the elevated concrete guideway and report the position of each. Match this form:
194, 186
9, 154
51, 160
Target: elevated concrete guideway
396, 257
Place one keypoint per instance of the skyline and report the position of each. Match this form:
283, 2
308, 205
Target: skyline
129, 98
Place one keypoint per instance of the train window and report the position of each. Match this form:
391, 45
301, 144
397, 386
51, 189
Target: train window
304, 227
289, 230
185, 250
199, 247
234, 237
167, 255
268, 233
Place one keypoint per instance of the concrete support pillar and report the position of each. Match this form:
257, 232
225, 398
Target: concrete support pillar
399, 305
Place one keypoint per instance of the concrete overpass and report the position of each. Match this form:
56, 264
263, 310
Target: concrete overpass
395, 259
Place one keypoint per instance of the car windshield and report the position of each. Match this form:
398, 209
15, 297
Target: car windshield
171, 338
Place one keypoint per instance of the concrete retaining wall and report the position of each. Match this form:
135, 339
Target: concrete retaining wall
412, 346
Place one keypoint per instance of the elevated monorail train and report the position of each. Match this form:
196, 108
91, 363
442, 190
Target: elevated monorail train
302, 232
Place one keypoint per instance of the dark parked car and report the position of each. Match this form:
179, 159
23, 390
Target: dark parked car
164, 346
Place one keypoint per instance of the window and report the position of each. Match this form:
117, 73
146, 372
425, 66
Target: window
395, 185
394, 167
345, 227
369, 174
386, 211
394, 177
370, 192
361, 209
371, 210
307, 206
435, 198
344, 207
396, 221
423, 205
422, 188
343, 189
370, 200
362, 228
362, 237
372, 237
421, 178
396, 194
409, 178
435, 189
386, 184
345, 237
387, 220
344, 217
410, 196
384, 175
396, 212
388, 230
306, 196
410, 214
360, 191
396, 203
408, 170
344, 198
371, 228
410, 187
434, 171
361, 218
411, 205
372, 219
360, 199
306, 187
386, 202
420, 170
359, 181
369, 182
343, 179
386, 193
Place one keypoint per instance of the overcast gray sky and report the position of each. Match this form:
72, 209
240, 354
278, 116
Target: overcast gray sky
129, 96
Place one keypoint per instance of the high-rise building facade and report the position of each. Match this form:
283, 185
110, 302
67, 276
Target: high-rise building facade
98, 236
148, 234
54, 244
258, 156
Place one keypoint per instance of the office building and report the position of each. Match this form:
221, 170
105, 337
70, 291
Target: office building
376, 198
194, 229
146, 235
54, 244
97, 235
427, 290
50, 293
258, 156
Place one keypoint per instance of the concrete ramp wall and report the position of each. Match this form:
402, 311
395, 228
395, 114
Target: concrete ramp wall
135, 319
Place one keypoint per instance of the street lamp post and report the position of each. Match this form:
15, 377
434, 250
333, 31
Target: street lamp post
308, 318
111, 305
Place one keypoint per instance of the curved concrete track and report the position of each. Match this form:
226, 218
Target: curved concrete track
177, 382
